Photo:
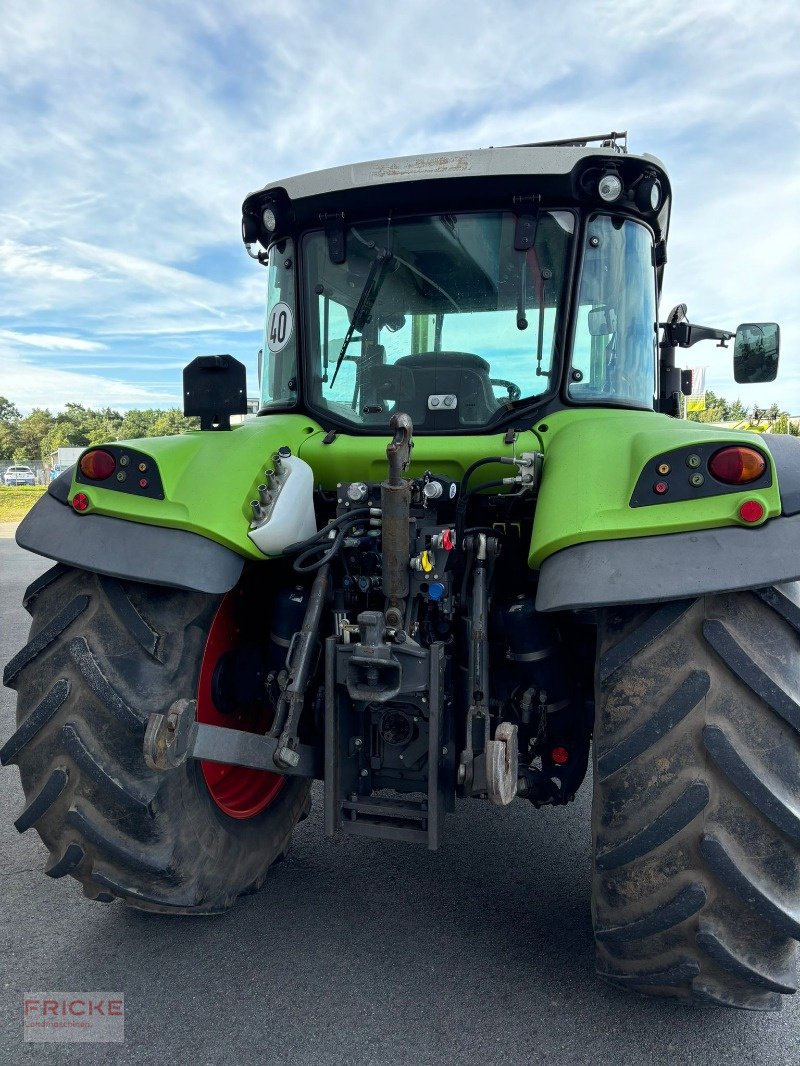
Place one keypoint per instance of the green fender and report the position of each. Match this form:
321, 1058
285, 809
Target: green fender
593, 459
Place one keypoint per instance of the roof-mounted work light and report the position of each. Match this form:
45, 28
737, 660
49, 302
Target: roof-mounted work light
648, 194
609, 188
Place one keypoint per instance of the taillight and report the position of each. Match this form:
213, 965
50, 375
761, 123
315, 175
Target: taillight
98, 464
737, 465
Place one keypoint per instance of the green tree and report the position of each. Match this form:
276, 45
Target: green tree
9, 432
55, 437
84, 425
138, 424
8, 411
9, 440
170, 422
31, 432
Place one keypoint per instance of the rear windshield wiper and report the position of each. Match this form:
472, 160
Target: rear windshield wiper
377, 272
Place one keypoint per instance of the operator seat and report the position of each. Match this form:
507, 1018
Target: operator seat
459, 374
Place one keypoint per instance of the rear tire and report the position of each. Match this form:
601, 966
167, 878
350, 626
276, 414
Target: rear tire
696, 815
102, 655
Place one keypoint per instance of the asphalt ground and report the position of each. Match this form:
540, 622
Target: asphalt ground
354, 951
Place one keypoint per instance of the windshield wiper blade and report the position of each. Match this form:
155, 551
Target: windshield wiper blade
369, 293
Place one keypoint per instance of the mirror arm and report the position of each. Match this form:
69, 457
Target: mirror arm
684, 334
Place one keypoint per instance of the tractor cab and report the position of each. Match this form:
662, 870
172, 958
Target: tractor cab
471, 290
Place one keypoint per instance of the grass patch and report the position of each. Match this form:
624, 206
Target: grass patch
15, 502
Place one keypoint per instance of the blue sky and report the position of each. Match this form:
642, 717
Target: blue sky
131, 132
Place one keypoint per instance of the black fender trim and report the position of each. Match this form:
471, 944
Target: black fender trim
128, 550
670, 566
785, 452
60, 487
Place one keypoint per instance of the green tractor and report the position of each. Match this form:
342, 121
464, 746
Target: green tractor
467, 540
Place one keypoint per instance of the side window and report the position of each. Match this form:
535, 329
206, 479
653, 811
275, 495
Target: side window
614, 349
279, 366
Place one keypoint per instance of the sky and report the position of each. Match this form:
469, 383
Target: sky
130, 133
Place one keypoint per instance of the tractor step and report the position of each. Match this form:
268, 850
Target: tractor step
388, 818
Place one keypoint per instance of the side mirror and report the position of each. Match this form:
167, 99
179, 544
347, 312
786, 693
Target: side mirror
755, 352
602, 321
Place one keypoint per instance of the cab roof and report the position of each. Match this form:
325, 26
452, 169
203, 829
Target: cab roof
520, 160
554, 173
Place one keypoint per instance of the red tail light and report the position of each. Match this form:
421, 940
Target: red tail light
737, 465
97, 464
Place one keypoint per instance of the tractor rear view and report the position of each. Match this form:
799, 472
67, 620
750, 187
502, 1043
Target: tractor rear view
466, 542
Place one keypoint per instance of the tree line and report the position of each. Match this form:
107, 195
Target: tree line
41, 432
771, 419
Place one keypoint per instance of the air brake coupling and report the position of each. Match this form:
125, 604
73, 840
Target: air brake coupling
396, 508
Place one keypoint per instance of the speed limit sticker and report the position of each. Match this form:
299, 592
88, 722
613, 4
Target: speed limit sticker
279, 327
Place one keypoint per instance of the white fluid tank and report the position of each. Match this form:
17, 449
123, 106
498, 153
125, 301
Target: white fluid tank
290, 516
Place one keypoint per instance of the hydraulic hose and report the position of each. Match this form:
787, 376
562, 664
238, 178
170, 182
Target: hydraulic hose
328, 552
478, 463
322, 534
464, 494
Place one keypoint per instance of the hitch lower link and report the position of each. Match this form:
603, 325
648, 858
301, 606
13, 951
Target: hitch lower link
494, 771
172, 738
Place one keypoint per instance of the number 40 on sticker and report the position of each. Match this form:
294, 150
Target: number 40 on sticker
279, 327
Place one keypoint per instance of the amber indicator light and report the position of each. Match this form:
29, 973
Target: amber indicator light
98, 464
737, 465
663, 468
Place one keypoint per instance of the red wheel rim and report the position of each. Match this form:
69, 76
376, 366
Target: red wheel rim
238, 791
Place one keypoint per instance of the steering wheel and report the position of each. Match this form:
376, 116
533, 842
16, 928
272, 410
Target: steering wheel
514, 391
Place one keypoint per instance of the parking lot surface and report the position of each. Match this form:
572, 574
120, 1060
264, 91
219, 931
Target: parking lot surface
354, 951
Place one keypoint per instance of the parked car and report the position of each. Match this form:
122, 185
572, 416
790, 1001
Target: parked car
19, 475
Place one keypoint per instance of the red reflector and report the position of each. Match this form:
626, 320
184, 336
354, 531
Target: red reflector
737, 466
142, 482
98, 464
751, 511
80, 501
559, 756
660, 487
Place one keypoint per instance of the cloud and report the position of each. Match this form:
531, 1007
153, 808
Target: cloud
134, 131
36, 261
51, 342
23, 380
